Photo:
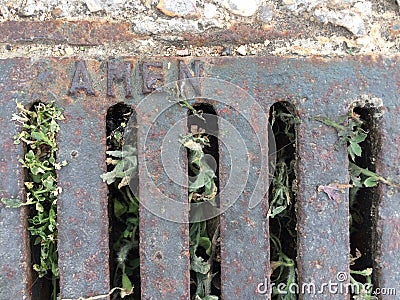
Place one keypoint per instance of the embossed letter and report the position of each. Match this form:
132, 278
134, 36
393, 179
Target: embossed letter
81, 80
118, 72
184, 73
152, 79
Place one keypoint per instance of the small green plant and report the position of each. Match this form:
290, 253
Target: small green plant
122, 165
202, 188
203, 240
282, 194
126, 211
39, 130
285, 267
351, 133
362, 292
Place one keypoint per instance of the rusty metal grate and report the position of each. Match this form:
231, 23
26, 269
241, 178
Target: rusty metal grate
86, 90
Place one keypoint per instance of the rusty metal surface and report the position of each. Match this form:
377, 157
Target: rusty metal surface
14, 269
314, 86
244, 230
100, 32
241, 34
83, 32
323, 224
82, 206
388, 226
71, 32
164, 245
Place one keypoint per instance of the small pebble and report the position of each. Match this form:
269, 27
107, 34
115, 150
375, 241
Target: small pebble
265, 13
69, 51
93, 5
178, 8
210, 10
183, 52
57, 13
242, 50
28, 9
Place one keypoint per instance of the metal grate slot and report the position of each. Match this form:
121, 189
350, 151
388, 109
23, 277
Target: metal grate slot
211, 284
282, 200
47, 286
364, 201
123, 207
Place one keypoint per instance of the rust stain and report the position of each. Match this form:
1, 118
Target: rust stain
394, 241
238, 33
72, 32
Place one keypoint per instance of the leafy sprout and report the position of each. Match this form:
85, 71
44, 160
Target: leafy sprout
203, 188
39, 130
123, 167
350, 133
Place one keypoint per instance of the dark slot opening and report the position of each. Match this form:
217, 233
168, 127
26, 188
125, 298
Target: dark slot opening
364, 200
123, 207
42, 288
210, 126
48, 286
282, 197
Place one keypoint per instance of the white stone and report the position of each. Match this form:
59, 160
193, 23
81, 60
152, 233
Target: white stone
243, 8
178, 8
93, 5
69, 51
29, 9
364, 8
4, 11
182, 52
301, 5
210, 10
242, 50
345, 18
147, 25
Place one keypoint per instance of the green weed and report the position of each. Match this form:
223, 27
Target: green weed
361, 291
203, 188
122, 167
39, 130
351, 133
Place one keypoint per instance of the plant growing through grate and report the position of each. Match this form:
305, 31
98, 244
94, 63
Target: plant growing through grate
123, 209
281, 212
39, 130
359, 131
123, 206
204, 235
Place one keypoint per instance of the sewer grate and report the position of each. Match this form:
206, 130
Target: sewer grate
87, 89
